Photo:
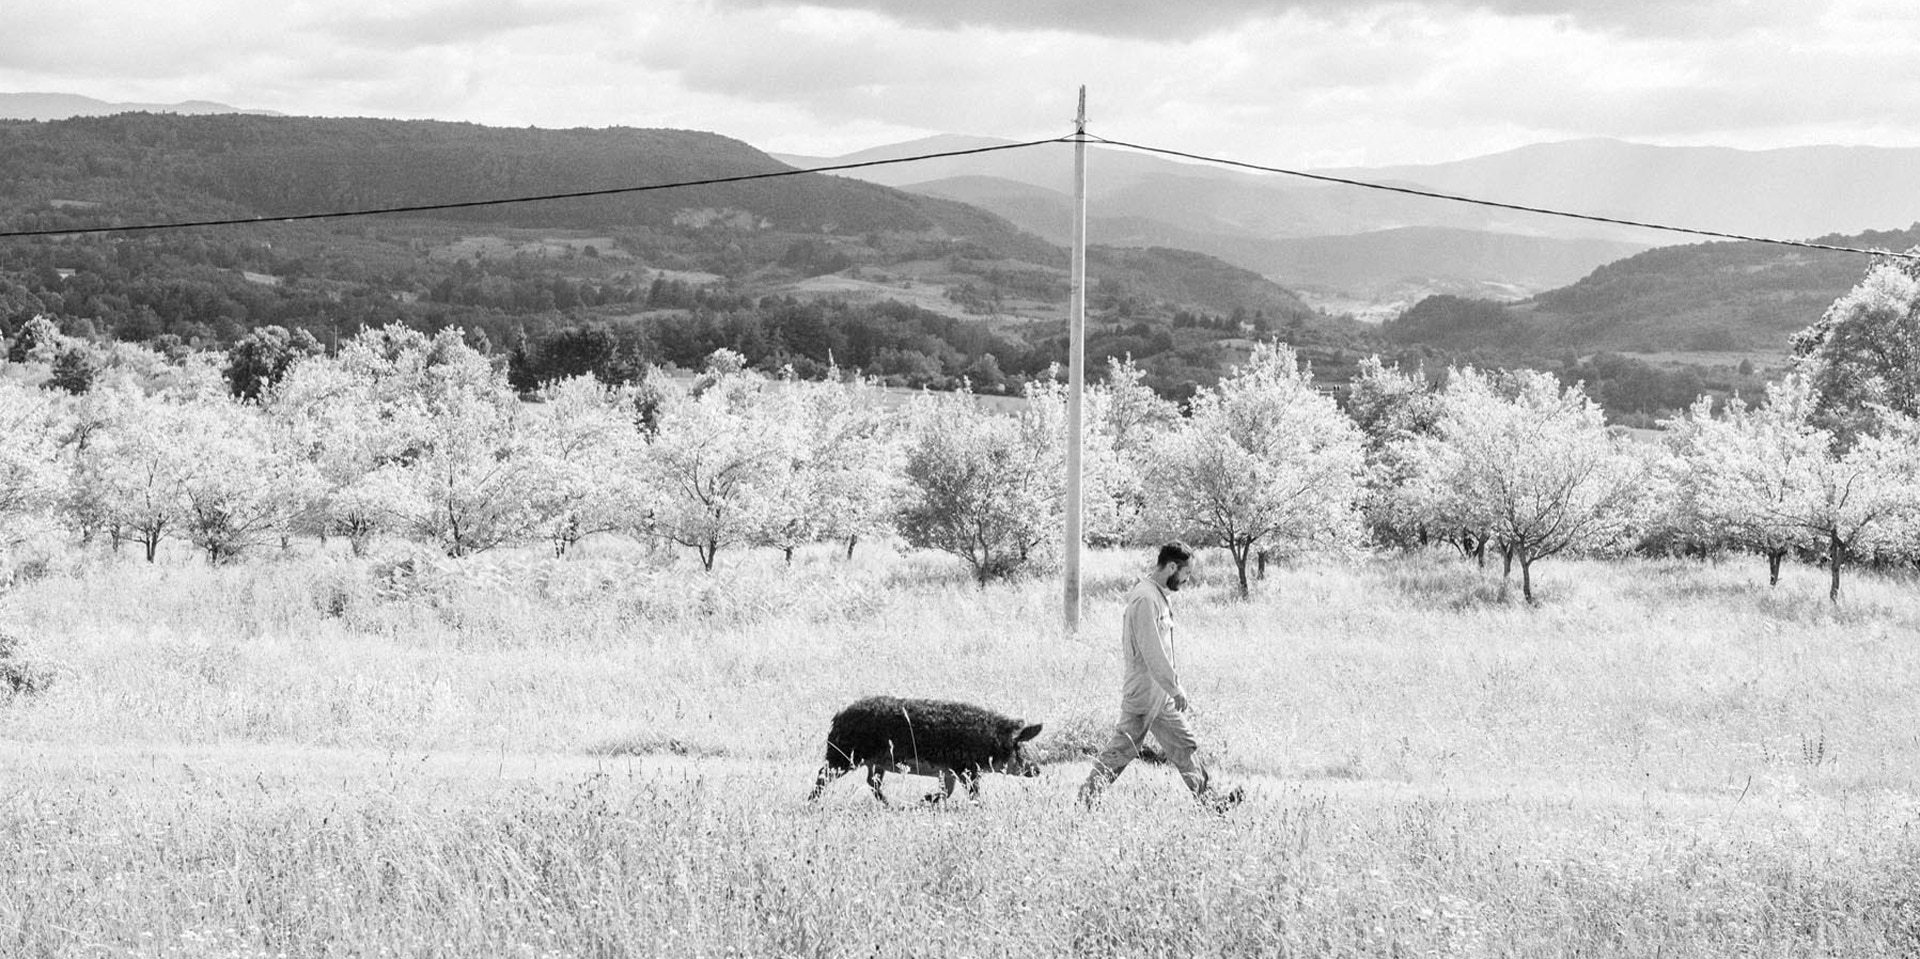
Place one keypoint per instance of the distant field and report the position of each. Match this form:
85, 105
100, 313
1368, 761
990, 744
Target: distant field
926, 296
498, 247
924, 292
606, 756
1763, 360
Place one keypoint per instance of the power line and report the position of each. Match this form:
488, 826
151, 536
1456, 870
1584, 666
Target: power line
1495, 203
578, 194
1068, 138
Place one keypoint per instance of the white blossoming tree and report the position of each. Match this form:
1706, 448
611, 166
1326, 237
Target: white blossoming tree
239, 488
31, 422
1266, 461
1539, 471
718, 458
843, 479
130, 475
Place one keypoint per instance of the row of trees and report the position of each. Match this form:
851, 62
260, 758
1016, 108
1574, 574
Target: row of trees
401, 434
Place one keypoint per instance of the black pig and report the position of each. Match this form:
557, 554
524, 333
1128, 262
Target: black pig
928, 737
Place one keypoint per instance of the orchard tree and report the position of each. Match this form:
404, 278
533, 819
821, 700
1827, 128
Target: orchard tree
1105, 476
1539, 469
469, 479
1750, 470
321, 413
130, 476
239, 489
991, 488
715, 460
1777, 480
1126, 418
1867, 496
30, 425
857, 454
1394, 410
1128, 411
841, 479
973, 489
1266, 461
581, 433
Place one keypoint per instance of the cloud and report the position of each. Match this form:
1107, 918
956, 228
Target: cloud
147, 41
454, 24
1297, 84
1191, 19
1395, 83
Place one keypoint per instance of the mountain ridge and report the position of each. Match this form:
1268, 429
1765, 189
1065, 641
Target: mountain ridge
1786, 193
62, 106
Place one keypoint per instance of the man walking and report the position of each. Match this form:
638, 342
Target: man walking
1151, 697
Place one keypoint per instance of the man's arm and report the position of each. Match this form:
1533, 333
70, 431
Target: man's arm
1143, 627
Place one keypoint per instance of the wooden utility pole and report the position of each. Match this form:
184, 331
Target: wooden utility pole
1076, 367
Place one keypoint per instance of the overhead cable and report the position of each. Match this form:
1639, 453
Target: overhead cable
578, 194
1494, 203
1068, 138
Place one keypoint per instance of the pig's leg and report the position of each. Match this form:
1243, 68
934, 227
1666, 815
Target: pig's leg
874, 775
947, 780
827, 774
972, 778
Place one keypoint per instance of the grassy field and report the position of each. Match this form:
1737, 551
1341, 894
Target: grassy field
606, 756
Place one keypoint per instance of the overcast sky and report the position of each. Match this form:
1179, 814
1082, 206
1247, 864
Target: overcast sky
1302, 83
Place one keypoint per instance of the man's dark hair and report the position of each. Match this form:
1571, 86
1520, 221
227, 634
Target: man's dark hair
1175, 552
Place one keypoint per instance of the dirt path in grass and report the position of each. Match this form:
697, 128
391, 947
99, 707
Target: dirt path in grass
20, 761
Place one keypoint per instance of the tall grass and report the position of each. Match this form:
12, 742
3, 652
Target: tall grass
394, 863
1662, 758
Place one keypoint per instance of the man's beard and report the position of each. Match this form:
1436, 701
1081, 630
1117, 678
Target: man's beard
1173, 582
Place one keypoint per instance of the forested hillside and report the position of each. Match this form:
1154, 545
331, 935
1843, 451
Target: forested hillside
1720, 296
918, 290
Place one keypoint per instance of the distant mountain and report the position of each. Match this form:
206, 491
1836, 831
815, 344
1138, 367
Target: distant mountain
1140, 199
1372, 275
60, 106
1701, 297
1125, 184
1792, 193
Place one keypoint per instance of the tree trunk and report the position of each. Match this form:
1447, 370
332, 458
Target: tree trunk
708, 551
1506, 563
152, 541
851, 540
1480, 552
1773, 566
1263, 566
1526, 579
1240, 564
789, 551
1835, 551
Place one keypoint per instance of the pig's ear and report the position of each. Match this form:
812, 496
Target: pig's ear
1027, 733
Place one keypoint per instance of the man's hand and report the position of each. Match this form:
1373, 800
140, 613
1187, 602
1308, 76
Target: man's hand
1179, 702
